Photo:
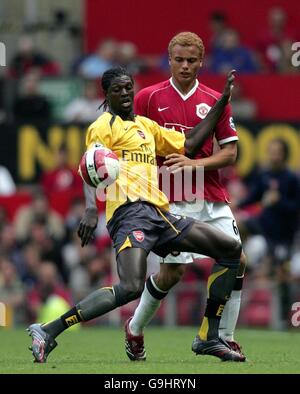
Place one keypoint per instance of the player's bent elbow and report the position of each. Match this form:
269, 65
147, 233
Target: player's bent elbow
189, 150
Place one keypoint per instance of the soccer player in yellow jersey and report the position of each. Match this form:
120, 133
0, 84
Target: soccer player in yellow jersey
140, 222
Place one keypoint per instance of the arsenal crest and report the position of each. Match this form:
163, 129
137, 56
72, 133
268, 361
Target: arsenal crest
202, 110
139, 235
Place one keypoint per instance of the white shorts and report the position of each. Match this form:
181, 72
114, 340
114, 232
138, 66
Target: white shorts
217, 214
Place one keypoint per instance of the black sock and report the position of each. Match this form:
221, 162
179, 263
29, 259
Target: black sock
238, 285
219, 286
153, 289
68, 319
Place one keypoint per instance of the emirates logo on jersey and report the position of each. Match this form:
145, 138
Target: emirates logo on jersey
139, 235
202, 110
141, 134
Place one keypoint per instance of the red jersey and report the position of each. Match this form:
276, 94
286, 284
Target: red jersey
166, 105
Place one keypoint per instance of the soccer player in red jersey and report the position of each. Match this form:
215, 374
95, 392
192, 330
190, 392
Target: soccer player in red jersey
180, 103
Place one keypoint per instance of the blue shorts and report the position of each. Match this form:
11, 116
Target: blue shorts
142, 225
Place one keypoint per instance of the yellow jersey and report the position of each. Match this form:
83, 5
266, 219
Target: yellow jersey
136, 143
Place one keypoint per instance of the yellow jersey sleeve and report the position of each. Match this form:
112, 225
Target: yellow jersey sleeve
167, 141
100, 131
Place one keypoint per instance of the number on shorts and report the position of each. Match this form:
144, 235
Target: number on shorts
235, 229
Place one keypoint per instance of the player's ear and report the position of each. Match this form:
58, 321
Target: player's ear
169, 60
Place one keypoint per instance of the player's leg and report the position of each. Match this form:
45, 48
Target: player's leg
226, 250
131, 264
172, 267
232, 308
156, 288
220, 216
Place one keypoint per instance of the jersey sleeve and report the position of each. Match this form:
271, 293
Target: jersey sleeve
141, 103
225, 130
99, 132
167, 141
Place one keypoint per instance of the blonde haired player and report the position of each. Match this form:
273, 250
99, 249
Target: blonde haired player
180, 103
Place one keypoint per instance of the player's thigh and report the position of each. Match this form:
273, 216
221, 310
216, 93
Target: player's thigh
222, 218
206, 239
132, 266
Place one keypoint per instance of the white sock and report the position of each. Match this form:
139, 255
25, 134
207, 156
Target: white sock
230, 316
145, 310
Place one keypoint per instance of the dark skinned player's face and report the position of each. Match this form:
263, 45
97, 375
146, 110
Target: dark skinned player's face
185, 63
120, 96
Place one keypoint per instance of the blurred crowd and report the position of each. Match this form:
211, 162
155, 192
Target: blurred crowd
41, 256
55, 51
41, 259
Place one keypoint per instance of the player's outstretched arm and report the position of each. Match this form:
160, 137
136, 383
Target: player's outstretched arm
89, 221
197, 136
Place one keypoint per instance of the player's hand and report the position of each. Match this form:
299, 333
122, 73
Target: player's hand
176, 162
87, 226
227, 92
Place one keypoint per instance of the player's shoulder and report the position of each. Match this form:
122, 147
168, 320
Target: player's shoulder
208, 92
144, 120
104, 118
152, 89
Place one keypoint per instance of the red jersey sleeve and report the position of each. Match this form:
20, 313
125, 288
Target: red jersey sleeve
225, 130
141, 103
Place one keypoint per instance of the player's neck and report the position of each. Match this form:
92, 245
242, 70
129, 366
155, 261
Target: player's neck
184, 88
124, 115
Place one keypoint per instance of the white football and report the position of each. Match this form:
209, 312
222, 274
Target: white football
99, 166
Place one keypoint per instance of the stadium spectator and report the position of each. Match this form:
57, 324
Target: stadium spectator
84, 109
74, 255
278, 190
104, 58
11, 292
30, 105
28, 59
143, 212
63, 178
38, 212
271, 39
89, 276
232, 55
48, 284
27, 264
160, 102
218, 25
127, 57
243, 108
284, 65
8, 240
7, 184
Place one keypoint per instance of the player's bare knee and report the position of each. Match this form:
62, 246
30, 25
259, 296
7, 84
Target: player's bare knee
131, 291
135, 291
235, 249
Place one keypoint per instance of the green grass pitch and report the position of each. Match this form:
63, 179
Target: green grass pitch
101, 350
